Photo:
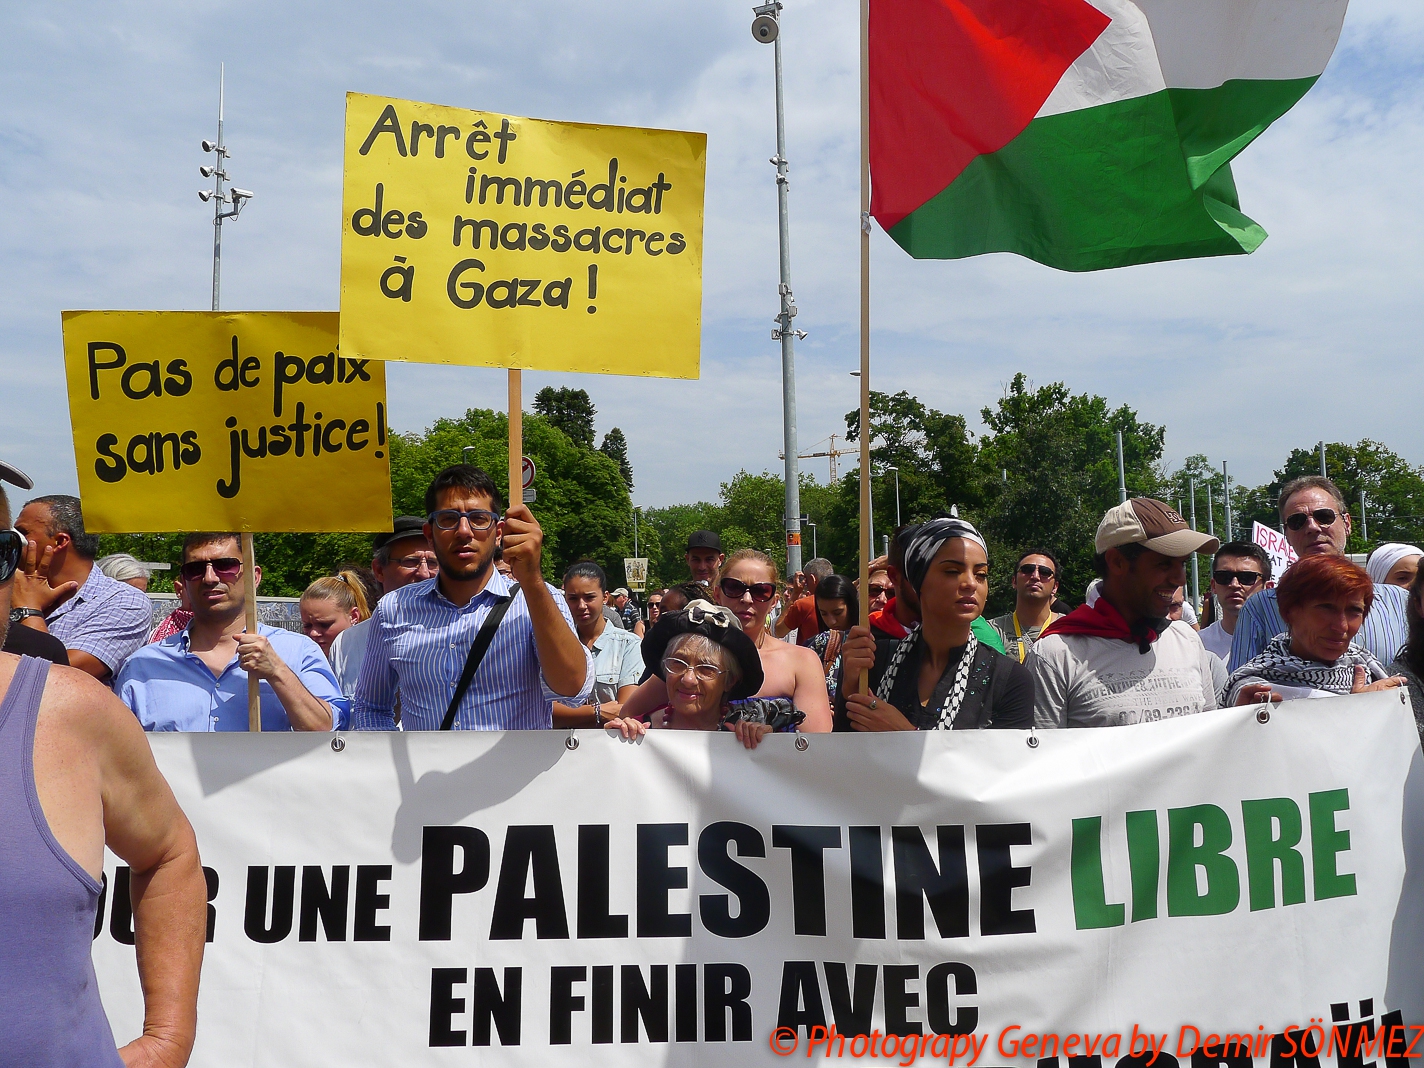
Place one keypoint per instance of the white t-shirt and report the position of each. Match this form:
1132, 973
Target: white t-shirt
348, 650
1083, 681
1217, 640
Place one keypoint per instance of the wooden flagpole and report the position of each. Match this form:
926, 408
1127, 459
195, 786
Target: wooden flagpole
866, 549
516, 438
249, 590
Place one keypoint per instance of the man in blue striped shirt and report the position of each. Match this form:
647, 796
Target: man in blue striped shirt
421, 634
1312, 510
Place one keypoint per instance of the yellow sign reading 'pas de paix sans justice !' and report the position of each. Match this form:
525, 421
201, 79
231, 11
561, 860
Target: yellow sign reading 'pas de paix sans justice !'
247, 421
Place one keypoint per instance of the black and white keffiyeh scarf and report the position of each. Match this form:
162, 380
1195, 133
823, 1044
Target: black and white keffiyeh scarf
954, 700
1277, 664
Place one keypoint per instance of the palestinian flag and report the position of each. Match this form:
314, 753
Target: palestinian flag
1080, 133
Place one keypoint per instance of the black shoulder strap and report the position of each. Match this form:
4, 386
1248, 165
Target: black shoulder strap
478, 648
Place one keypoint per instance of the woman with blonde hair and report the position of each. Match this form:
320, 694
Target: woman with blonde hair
792, 675
330, 605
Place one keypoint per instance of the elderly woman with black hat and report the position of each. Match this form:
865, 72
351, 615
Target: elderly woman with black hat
939, 676
708, 666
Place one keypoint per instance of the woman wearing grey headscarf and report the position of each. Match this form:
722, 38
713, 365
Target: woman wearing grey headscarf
940, 676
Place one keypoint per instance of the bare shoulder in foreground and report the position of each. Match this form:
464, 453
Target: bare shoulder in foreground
97, 784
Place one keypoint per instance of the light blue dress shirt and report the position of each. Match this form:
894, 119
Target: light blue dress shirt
1384, 633
417, 647
170, 689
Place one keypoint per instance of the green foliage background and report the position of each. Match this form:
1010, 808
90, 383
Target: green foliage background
1042, 474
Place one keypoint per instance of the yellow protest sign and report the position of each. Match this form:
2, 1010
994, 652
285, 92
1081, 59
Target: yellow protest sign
225, 421
475, 238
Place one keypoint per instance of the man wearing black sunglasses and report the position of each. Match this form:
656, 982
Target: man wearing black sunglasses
196, 680
1239, 570
1035, 587
1316, 521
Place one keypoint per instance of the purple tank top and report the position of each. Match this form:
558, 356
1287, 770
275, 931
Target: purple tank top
50, 1013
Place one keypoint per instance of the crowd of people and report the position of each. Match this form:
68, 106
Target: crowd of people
453, 627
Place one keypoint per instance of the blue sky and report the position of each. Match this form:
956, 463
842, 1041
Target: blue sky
1317, 334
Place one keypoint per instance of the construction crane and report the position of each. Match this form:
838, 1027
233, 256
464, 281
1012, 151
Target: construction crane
831, 453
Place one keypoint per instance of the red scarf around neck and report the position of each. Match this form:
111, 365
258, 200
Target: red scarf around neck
1102, 620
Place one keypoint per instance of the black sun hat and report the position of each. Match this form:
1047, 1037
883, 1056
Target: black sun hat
718, 624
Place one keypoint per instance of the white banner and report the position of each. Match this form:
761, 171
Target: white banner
984, 897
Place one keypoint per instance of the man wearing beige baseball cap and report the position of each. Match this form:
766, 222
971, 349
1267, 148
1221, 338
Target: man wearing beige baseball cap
1120, 660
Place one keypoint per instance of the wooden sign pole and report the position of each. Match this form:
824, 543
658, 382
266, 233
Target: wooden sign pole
516, 438
866, 549
249, 590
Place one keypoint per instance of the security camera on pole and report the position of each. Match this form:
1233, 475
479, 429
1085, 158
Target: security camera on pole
237, 198
766, 28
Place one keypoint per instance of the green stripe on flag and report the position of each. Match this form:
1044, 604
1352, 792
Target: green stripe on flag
1134, 181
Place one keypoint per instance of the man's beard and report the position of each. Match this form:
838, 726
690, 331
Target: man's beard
478, 571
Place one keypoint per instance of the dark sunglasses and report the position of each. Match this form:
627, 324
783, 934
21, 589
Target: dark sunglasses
1044, 572
226, 568
12, 544
1246, 578
1323, 517
735, 590
449, 519
881, 591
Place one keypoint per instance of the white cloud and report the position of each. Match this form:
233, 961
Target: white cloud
1243, 358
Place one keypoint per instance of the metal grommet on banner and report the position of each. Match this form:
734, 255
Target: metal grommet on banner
1032, 740
1263, 715
802, 744
338, 744
571, 742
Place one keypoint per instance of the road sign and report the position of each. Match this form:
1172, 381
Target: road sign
636, 571
530, 494
528, 470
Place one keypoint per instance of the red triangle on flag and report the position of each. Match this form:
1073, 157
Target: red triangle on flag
953, 79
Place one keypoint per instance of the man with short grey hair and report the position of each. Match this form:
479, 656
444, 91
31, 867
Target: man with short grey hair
1317, 522
60, 591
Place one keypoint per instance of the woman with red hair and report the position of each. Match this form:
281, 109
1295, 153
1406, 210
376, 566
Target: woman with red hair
1324, 600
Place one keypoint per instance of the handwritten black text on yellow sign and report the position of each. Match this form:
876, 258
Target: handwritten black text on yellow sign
485, 239
227, 421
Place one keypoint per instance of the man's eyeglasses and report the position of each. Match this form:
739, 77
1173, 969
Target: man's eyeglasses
413, 563
449, 519
12, 544
1029, 570
735, 590
881, 591
1246, 578
226, 568
1323, 518
703, 672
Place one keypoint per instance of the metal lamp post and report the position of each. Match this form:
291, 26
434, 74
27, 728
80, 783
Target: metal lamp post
806, 522
766, 28
897, 495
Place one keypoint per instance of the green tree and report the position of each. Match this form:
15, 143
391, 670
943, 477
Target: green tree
570, 410
1056, 460
934, 457
668, 530
615, 447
